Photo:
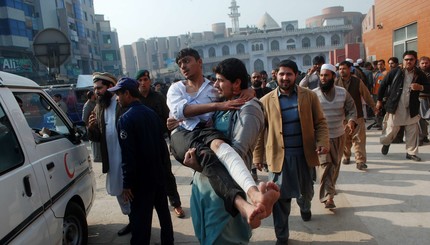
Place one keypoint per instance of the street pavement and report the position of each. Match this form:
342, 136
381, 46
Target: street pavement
387, 204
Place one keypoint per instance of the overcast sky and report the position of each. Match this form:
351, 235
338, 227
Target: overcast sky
134, 19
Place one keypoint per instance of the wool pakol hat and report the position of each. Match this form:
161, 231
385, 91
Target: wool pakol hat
104, 76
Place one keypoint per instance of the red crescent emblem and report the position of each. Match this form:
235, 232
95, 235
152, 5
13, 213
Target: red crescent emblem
70, 174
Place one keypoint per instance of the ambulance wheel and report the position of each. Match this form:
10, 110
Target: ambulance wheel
75, 227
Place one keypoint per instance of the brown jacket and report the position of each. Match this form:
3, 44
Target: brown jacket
270, 142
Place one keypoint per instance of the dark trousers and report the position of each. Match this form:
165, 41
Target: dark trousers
171, 187
219, 178
142, 205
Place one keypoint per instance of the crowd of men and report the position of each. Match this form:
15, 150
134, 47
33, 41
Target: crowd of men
227, 127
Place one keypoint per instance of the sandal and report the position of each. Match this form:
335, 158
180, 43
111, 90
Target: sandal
330, 204
179, 212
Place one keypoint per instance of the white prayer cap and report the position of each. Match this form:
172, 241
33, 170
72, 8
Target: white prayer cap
359, 61
329, 67
355, 64
349, 60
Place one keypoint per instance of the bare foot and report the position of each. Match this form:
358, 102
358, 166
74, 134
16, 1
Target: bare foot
269, 195
252, 214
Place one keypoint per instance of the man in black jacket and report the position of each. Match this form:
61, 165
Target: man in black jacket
402, 104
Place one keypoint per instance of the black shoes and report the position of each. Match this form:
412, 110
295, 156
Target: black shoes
385, 149
413, 157
125, 230
306, 216
346, 161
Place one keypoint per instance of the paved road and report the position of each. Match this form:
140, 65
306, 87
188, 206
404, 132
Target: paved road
387, 204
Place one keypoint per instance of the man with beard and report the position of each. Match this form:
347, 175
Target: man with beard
256, 84
402, 106
157, 102
338, 106
357, 89
312, 79
292, 154
102, 128
273, 83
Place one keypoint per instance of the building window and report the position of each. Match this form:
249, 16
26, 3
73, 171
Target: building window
320, 41
240, 49
109, 55
291, 44
107, 39
212, 52
261, 48
258, 65
274, 45
225, 50
275, 62
306, 43
289, 27
335, 40
405, 38
306, 60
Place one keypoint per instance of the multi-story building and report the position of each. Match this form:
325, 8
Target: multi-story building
21, 20
109, 47
260, 47
391, 29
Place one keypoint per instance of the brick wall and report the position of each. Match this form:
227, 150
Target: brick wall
394, 14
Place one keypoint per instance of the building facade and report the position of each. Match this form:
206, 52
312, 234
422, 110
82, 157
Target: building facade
260, 47
391, 28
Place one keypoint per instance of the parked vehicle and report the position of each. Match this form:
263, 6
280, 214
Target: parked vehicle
47, 181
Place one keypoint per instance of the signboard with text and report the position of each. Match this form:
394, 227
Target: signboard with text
14, 65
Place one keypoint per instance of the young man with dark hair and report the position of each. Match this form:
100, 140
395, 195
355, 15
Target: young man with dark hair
311, 79
192, 103
242, 127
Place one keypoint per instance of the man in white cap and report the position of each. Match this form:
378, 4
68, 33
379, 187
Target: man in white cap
338, 106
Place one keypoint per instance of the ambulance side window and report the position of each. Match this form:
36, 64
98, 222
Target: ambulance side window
45, 121
11, 155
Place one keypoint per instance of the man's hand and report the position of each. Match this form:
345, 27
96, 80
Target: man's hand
172, 123
127, 195
259, 166
190, 160
321, 150
416, 87
231, 104
92, 120
350, 127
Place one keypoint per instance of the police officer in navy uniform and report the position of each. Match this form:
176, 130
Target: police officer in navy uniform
143, 176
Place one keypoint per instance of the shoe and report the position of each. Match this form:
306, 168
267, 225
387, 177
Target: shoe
179, 212
413, 157
330, 204
266, 168
125, 230
385, 149
306, 216
346, 161
361, 166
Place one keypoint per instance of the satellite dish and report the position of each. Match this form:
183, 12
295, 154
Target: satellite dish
51, 47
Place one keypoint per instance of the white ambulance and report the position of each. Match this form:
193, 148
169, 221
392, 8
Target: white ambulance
47, 183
